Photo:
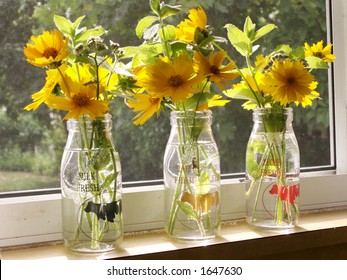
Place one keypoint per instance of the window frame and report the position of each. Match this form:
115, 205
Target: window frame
37, 218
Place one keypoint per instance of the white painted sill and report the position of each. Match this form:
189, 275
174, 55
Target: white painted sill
317, 232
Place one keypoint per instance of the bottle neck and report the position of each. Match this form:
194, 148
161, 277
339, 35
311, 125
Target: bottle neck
191, 118
191, 126
86, 124
86, 133
273, 119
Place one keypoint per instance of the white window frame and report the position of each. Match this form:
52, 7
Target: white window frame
37, 218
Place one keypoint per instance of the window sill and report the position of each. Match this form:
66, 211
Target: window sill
319, 236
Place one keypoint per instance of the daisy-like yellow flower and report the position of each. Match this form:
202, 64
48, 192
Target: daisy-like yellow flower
319, 51
146, 105
53, 77
185, 31
212, 68
288, 81
48, 49
176, 80
80, 95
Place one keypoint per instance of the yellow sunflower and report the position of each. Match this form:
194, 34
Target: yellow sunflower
176, 80
48, 49
53, 77
288, 81
80, 95
146, 105
319, 51
212, 68
185, 31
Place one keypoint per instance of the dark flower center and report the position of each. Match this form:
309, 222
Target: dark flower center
175, 81
50, 52
215, 70
81, 99
291, 80
318, 54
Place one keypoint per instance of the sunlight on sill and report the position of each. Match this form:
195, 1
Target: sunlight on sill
147, 243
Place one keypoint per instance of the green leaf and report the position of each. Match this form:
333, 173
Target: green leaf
178, 47
169, 31
143, 24
155, 6
239, 40
168, 10
84, 35
242, 93
249, 28
77, 23
64, 25
197, 100
143, 53
206, 41
188, 209
286, 48
203, 185
109, 179
129, 52
263, 31
316, 63
298, 53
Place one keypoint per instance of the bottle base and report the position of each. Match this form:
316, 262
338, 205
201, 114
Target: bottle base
85, 247
192, 236
270, 224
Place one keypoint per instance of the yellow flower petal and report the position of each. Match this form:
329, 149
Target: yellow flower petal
185, 31
146, 105
53, 76
48, 49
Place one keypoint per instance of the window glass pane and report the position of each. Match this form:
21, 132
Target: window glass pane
31, 144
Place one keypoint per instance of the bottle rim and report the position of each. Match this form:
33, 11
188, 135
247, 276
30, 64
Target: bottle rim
259, 113
76, 124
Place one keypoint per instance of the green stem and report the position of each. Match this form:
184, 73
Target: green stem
262, 166
166, 47
174, 205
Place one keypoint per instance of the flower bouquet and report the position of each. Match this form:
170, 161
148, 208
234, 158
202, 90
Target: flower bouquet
178, 68
270, 85
82, 79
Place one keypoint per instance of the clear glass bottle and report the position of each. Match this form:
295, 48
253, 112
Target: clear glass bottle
192, 177
272, 170
91, 185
